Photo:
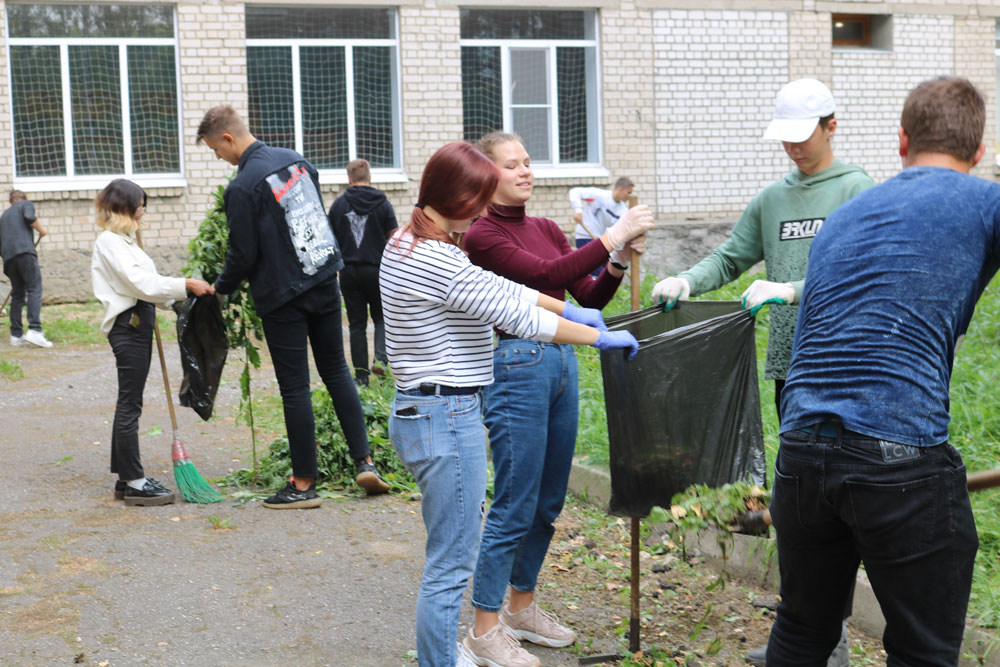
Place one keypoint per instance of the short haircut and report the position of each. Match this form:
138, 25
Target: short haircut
117, 205
221, 119
825, 120
624, 182
945, 115
359, 171
491, 140
17, 195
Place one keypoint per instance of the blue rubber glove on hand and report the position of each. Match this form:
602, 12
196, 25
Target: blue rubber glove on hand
617, 340
589, 316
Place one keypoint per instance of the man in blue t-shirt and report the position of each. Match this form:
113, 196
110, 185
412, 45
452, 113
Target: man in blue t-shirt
864, 472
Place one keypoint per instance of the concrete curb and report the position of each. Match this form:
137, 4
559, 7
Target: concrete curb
755, 559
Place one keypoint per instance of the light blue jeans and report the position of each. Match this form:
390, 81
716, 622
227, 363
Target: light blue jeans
441, 441
532, 409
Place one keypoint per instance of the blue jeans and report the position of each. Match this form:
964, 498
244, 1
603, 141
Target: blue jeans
903, 511
441, 441
531, 412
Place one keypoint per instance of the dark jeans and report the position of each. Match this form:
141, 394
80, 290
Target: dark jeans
313, 317
359, 283
838, 502
131, 339
579, 244
25, 284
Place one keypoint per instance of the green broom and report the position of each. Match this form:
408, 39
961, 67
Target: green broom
190, 483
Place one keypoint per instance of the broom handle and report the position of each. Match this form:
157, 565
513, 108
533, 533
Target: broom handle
163, 361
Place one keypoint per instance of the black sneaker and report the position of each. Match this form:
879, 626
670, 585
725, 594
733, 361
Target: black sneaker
120, 489
151, 493
290, 498
369, 479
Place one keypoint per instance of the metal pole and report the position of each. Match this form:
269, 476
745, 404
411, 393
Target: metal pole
634, 630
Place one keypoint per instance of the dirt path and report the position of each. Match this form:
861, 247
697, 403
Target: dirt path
85, 579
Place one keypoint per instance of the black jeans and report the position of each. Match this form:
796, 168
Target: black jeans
25, 285
359, 283
313, 317
903, 511
131, 339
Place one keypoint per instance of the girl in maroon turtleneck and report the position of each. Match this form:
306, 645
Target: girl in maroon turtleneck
531, 409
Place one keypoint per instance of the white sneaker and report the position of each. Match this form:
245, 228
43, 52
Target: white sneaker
498, 648
16, 341
461, 657
37, 338
537, 626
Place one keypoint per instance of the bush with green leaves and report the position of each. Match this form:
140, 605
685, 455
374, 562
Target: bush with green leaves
336, 466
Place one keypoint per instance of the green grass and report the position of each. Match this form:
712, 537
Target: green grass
974, 429
10, 370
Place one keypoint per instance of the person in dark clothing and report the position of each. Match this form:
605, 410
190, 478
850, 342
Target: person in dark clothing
281, 241
362, 219
20, 263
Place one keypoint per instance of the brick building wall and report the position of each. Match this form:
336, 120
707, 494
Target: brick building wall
687, 87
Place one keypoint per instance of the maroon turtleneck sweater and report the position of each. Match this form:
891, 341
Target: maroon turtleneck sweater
535, 252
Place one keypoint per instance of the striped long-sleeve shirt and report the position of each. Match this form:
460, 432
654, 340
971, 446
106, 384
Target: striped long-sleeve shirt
440, 308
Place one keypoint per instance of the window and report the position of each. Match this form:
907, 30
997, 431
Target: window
323, 81
94, 94
533, 72
865, 31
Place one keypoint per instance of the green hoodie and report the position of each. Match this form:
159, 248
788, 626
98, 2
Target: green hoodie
778, 227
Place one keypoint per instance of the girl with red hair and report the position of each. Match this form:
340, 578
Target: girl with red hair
439, 312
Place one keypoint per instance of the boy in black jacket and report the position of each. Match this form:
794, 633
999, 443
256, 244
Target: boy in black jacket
362, 219
281, 241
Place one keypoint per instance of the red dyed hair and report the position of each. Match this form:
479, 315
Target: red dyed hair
458, 182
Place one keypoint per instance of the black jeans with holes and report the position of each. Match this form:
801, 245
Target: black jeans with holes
838, 502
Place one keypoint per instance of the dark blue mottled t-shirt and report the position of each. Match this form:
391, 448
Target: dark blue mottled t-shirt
893, 279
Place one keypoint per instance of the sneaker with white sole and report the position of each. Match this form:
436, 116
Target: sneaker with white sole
537, 626
16, 341
37, 338
462, 658
498, 648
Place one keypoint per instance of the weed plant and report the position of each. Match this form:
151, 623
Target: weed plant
10, 370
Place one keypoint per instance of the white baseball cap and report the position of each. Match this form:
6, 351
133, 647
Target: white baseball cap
797, 110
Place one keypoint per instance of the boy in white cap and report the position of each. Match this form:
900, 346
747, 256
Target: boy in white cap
778, 227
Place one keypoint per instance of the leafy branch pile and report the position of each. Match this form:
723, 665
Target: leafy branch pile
336, 467
700, 507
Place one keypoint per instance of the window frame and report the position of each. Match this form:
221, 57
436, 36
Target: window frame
553, 168
338, 176
70, 181
866, 29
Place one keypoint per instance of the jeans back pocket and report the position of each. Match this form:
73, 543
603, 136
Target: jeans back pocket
411, 437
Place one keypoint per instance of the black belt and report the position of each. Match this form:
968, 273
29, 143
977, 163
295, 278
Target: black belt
431, 389
502, 335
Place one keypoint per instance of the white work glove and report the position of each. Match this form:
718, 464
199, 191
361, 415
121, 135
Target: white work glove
762, 292
669, 290
624, 256
634, 222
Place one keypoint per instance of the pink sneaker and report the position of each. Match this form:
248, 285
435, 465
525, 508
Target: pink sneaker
498, 648
537, 626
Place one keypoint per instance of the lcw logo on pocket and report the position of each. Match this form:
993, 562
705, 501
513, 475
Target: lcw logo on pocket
893, 452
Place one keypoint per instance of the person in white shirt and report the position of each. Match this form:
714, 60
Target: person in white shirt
439, 312
595, 210
125, 280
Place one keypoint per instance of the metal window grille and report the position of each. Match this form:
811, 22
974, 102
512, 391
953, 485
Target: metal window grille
533, 72
94, 91
324, 82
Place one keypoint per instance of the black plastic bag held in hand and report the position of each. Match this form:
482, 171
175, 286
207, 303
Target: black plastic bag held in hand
201, 335
686, 410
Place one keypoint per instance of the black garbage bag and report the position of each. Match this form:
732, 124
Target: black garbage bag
686, 409
201, 335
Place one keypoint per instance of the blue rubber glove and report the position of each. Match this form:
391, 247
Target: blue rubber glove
617, 340
589, 316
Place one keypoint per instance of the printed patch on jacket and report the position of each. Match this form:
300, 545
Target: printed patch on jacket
357, 226
308, 226
800, 229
